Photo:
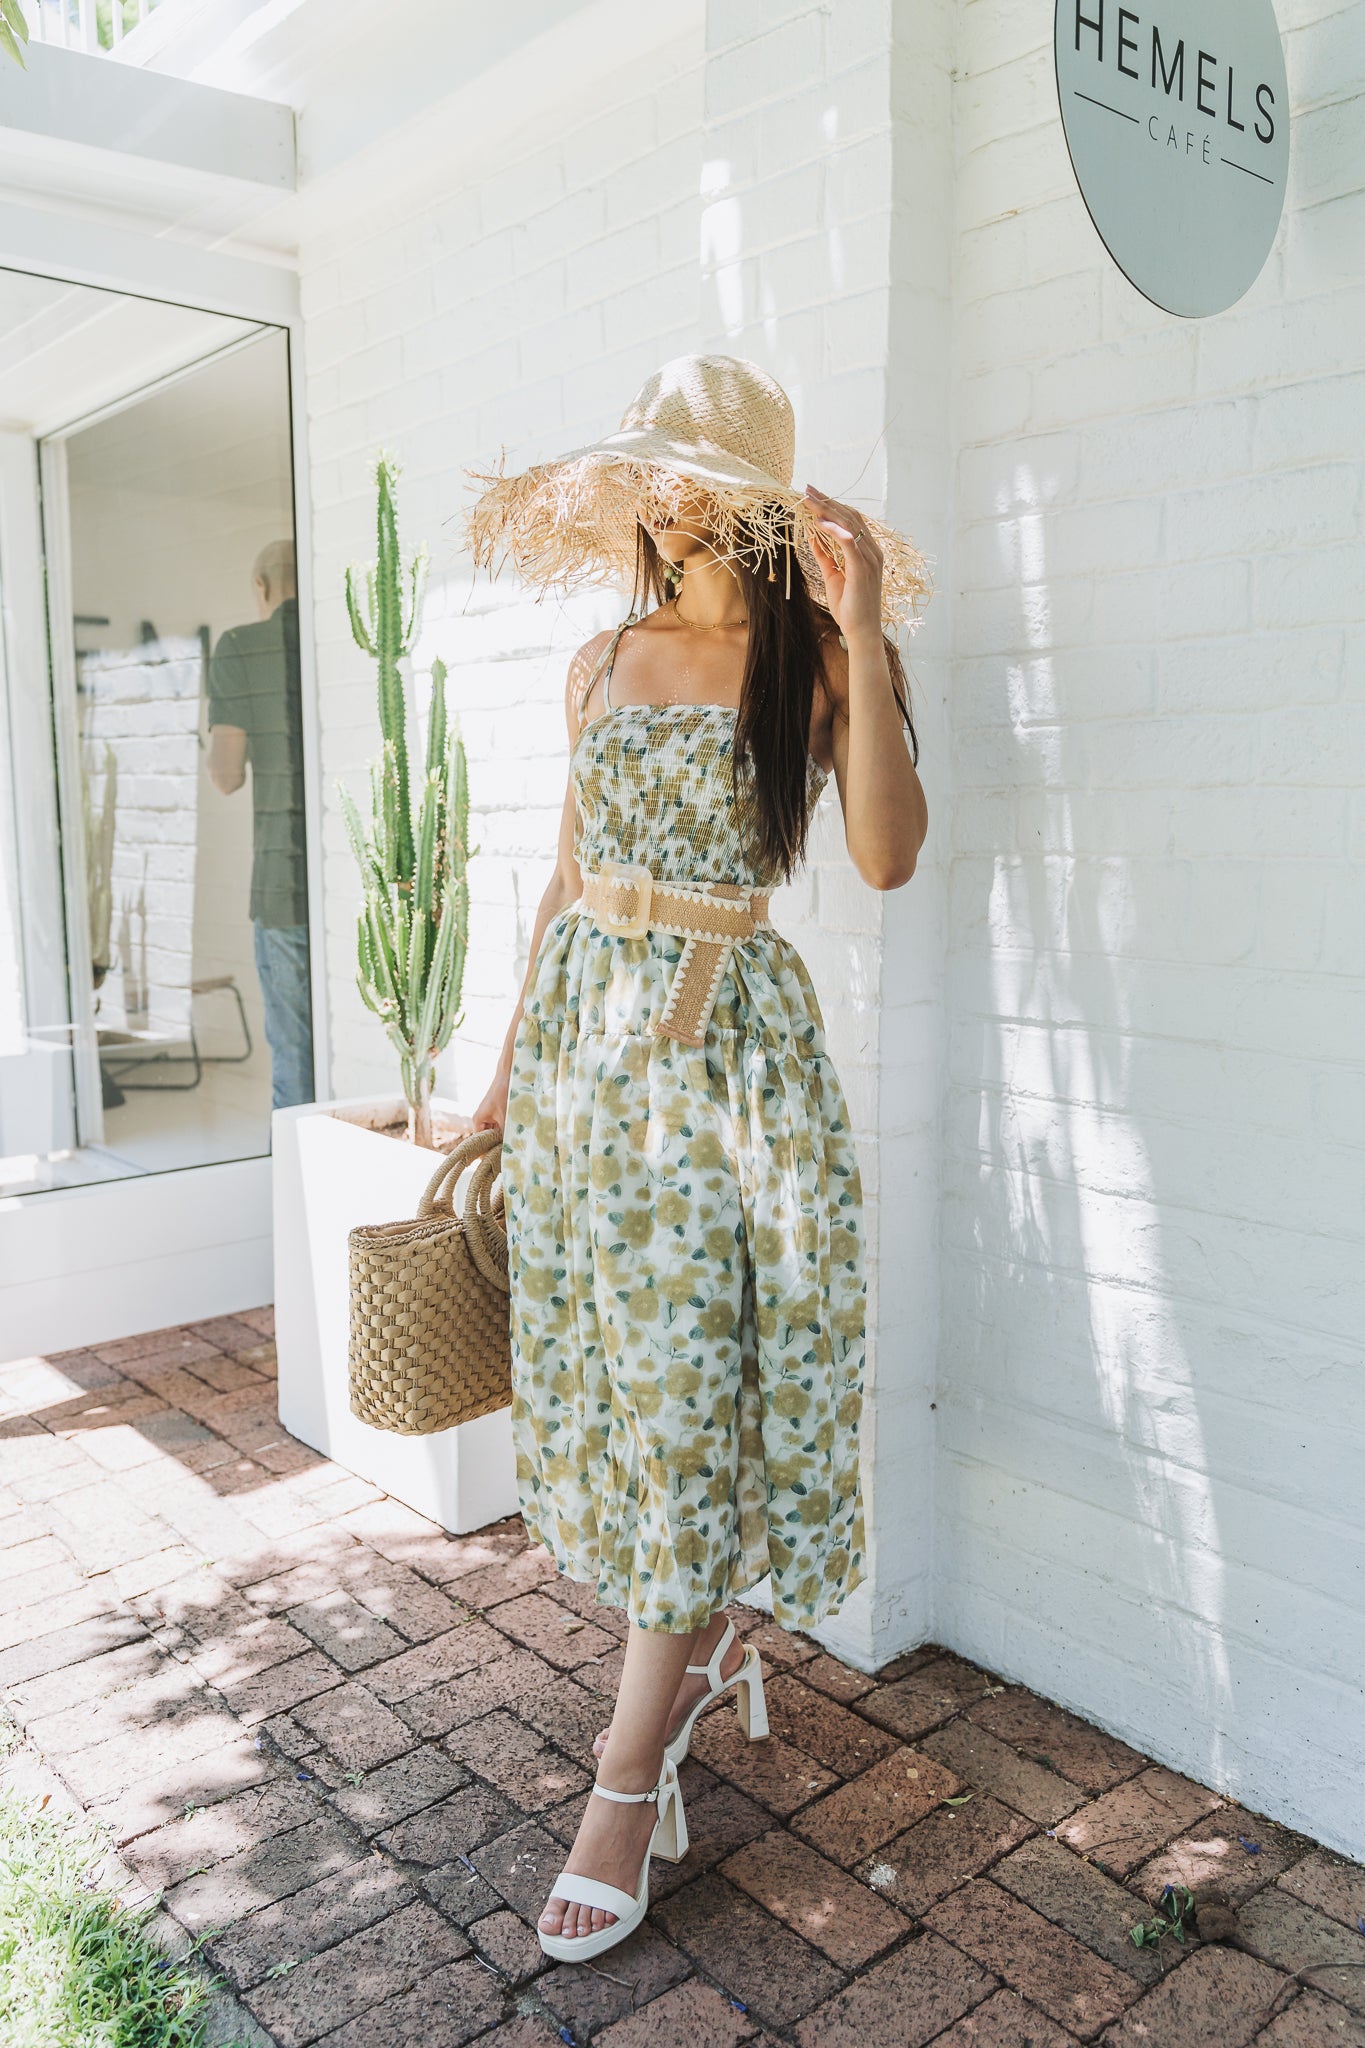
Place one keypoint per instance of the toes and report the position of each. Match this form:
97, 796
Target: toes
572, 1921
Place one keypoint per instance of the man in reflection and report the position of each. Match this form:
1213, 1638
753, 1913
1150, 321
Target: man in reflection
255, 715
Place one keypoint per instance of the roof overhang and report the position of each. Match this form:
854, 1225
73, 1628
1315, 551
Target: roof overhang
69, 97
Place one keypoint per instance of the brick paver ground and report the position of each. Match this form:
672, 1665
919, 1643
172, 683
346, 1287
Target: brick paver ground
348, 1751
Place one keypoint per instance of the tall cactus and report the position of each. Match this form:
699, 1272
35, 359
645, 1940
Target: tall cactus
413, 928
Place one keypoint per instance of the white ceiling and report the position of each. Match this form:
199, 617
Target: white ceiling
68, 350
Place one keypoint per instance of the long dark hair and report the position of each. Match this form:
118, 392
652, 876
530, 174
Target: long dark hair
787, 638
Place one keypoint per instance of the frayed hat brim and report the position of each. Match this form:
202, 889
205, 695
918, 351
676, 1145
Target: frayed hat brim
574, 520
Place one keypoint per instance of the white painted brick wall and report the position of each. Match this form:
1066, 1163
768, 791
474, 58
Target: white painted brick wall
521, 306
1151, 1432
1103, 1055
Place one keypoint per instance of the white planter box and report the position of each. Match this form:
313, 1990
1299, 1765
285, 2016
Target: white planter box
329, 1175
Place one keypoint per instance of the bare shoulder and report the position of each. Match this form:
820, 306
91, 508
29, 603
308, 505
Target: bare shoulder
588, 655
582, 668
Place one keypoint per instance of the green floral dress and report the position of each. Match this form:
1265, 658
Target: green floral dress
688, 1304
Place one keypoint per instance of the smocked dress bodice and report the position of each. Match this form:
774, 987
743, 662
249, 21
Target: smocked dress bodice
653, 783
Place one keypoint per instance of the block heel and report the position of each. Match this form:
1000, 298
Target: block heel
748, 1681
750, 1704
670, 1841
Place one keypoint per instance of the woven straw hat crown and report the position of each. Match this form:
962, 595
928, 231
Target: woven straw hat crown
722, 404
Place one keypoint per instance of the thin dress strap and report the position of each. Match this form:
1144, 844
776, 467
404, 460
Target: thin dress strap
606, 660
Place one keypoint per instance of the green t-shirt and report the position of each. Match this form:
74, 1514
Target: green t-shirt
254, 684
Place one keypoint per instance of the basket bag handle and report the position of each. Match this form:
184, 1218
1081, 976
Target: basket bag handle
484, 1221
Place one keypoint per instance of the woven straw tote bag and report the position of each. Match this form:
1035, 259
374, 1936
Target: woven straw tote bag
431, 1334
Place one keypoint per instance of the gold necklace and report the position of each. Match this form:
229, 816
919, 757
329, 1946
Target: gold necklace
697, 625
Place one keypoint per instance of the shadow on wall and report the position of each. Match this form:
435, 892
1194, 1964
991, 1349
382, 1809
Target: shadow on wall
1130, 1490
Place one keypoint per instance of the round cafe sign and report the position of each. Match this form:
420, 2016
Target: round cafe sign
1176, 113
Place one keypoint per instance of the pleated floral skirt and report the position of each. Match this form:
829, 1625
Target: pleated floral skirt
688, 1304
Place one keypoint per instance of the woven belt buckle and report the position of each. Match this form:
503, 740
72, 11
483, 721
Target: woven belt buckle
626, 888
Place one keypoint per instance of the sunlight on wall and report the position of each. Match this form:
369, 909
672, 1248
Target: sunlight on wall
1062, 1126
722, 244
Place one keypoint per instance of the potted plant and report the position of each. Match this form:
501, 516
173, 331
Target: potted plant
337, 1164
413, 930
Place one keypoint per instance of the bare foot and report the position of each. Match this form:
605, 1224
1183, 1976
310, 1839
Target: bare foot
690, 1689
610, 1845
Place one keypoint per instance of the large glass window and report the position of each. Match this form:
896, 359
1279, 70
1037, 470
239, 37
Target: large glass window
154, 957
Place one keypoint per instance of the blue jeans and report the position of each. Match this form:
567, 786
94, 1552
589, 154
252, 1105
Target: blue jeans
282, 965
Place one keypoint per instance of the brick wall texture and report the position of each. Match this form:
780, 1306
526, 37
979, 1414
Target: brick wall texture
1154, 1110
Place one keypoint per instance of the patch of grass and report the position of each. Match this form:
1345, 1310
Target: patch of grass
77, 1967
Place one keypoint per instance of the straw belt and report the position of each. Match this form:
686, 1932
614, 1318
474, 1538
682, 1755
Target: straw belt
624, 898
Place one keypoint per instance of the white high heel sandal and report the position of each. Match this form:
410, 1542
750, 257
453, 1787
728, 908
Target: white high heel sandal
748, 1681
669, 1840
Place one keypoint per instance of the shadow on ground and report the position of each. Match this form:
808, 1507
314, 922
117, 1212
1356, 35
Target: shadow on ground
349, 1751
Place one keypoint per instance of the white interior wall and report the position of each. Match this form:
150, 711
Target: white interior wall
1151, 1433
171, 501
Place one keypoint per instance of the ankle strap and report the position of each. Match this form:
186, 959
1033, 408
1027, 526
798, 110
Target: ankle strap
668, 1778
626, 1798
711, 1671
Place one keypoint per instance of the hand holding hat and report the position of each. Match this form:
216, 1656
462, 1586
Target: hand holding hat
853, 585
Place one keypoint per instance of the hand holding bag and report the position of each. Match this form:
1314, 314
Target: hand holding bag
431, 1334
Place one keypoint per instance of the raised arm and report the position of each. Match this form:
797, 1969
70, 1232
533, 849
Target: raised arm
886, 816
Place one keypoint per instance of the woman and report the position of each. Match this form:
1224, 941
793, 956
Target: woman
683, 1202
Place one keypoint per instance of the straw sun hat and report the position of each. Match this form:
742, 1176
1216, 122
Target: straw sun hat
710, 421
